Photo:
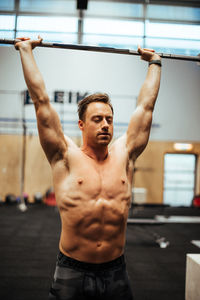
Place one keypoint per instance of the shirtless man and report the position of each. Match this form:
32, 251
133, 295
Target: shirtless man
93, 183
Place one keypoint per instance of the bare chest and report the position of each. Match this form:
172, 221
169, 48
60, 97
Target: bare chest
91, 180
106, 179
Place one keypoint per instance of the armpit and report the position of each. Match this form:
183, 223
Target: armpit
60, 156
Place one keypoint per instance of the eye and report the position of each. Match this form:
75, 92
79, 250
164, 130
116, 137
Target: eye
97, 119
109, 120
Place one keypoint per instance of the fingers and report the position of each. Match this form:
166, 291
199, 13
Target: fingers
142, 50
149, 50
27, 41
37, 42
146, 53
22, 38
40, 38
18, 40
27, 38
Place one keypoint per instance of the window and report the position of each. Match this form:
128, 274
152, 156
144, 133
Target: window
57, 29
116, 9
7, 5
112, 41
7, 25
176, 31
173, 38
178, 13
7, 22
48, 6
179, 179
122, 34
116, 27
174, 46
55, 24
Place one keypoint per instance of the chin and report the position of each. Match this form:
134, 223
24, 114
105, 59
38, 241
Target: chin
104, 143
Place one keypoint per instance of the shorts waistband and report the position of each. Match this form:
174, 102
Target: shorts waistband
66, 261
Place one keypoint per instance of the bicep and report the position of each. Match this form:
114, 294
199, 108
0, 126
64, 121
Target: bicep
138, 131
50, 131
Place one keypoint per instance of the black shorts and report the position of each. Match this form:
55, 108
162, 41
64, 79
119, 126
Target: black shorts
75, 280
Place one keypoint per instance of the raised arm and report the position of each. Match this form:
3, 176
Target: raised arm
50, 131
137, 135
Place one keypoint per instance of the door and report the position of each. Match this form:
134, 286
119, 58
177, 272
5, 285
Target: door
179, 179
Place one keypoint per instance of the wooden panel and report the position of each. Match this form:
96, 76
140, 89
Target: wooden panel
10, 164
38, 171
150, 172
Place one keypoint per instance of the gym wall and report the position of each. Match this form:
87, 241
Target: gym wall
176, 116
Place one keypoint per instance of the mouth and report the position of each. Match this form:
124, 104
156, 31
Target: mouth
104, 134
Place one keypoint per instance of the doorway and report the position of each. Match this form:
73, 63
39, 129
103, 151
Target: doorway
179, 179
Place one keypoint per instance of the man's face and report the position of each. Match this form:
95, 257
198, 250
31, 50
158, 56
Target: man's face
98, 125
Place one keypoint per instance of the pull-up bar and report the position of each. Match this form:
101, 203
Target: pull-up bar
104, 49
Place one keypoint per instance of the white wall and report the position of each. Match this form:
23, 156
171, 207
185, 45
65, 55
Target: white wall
177, 110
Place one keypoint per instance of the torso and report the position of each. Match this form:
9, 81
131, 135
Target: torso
93, 199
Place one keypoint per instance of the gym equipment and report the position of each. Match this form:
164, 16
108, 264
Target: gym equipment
1, 201
23, 196
196, 201
10, 199
161, 241
50, 198
103, 49
38, 198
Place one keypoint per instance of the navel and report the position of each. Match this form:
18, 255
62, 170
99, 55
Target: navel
98, 244
123, 181
80, 181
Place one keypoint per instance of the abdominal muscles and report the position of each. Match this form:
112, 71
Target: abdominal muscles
94, 230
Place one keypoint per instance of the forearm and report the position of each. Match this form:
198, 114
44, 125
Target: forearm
32, 75
150, 88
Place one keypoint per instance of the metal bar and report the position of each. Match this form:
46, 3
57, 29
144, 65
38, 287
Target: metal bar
105, 49
16, 17
144, 221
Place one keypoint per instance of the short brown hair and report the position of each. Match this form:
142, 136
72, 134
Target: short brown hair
98, 97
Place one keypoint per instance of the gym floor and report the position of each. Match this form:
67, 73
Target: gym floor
29, 245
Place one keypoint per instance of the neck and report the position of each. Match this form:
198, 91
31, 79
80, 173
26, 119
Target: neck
99, 153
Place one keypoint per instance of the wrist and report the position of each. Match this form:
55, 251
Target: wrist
155, 62
155, 57
25, 47
21, 46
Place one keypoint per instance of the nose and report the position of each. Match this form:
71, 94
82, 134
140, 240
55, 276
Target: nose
105, 125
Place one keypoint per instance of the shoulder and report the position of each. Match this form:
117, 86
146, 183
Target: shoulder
121, 155
70, 142
120, 143
74, 153
119, 147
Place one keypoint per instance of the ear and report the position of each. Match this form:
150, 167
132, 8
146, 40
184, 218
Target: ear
80, 125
